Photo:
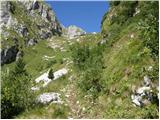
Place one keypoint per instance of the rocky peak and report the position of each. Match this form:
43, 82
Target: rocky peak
72, 31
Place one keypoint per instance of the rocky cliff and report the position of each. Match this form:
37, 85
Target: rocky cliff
24, 23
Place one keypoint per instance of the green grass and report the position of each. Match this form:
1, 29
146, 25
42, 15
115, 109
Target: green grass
51, 111
34, 58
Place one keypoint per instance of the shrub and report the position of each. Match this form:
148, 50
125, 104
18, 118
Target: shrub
16, 95
149, 26
80, 54
89, 63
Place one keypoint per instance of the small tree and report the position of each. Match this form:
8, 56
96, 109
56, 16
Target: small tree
50, 74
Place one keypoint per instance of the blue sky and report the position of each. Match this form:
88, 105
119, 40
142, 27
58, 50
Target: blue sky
87, 15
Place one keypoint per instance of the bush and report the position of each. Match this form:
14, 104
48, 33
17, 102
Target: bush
16, 95
149, 26
89, 63
80, 54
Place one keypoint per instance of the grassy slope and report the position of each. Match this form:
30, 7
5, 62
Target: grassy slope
124, 54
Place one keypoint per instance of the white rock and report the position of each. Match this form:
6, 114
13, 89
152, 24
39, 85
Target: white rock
60, 73
69, 62
77, 102
43, 77
150, 68
142, 90
35, 88
147, 80
61, 48
54, 46
132, 36
67, 96
45, 56
136, 100
83, 108
137, 11
49, 97
46, 80
77, 40
66, 104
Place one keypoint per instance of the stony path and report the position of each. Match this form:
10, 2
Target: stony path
72, 101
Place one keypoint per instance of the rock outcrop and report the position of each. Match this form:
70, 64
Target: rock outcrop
44, 77
28, 21
49, 97
144, 95
73, 31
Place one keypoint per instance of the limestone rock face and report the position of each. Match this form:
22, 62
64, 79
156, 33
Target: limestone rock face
28, 21
5, 12
73, 31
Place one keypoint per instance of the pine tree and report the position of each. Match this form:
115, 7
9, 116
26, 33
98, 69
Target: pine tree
50, 74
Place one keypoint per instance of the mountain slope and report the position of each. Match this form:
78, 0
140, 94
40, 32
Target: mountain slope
112, 74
